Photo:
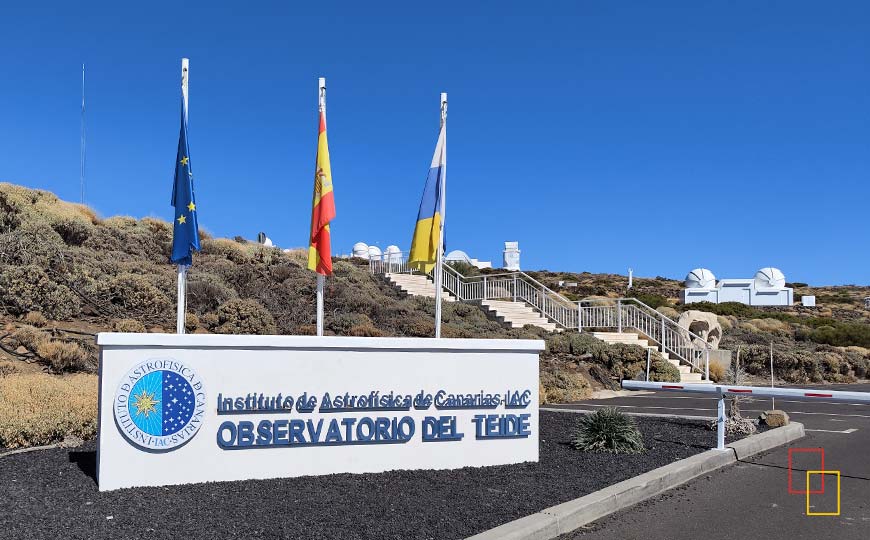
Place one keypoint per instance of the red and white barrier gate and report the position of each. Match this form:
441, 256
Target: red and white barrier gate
761, 391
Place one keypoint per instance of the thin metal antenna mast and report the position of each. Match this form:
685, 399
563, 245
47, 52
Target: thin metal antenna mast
82, 147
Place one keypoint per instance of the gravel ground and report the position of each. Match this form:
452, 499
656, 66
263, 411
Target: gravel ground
52, 494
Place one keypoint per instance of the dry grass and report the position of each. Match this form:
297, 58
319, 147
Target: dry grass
128, 325
64, 356
29, 337
37, 408
35, 318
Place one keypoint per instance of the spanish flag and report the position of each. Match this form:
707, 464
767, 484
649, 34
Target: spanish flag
430, 218
323, 210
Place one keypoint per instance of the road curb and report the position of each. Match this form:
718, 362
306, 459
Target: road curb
562, 518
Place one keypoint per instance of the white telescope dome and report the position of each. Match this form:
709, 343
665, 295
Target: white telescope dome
361, 249
700, 278
393, 254
374, 252
769, 278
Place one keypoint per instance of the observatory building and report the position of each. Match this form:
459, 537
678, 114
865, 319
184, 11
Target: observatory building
767, 288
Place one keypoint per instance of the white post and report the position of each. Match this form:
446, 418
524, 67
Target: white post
439, 254
619, 315
579, 317
321, 279
772, 399
630, 275
182, 293
707, 368
182, 269
720, 424
648, 354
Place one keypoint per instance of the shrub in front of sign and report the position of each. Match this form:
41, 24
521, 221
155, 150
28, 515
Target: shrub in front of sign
63, 356
37, 408
244, 316
608, 430
564, 386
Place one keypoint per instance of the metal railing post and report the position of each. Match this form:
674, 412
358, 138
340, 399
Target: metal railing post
484, 287
579, 317
543, 301
619, 315
515, 287
720, 424
662, 342
707, 369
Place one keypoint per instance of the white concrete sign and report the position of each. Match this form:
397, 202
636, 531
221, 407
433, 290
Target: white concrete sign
177, 409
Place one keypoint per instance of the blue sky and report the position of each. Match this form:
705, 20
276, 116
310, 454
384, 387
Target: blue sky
599, 134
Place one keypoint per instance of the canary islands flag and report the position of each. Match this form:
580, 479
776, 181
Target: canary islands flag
323, 209
430, 218
185, 230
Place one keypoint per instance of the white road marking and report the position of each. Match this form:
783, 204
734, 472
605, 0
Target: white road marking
846, 431
748, 399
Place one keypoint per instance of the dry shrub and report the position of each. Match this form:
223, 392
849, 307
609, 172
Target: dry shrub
206, 291
28, 288
244, 316
717, 372
669, 312
298, 256
224, 247
20, 203
770, 326
64, 355
32, 243
565, 386
128, 325
365, 330
28, 337
725, 323
191, 322
7, 368
37, 408
35, 318
137, 295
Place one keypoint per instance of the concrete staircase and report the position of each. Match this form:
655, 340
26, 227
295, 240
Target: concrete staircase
630, 338
516, 314
417, 285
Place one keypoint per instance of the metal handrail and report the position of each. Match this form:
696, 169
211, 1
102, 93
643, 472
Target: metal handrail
519, 286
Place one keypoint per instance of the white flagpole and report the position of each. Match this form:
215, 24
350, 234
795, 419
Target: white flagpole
439, 255
321, 279
182, 269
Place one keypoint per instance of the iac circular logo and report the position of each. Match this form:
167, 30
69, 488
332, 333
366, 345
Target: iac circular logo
160, 404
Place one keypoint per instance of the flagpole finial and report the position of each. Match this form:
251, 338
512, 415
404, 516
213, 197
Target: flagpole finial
321, 93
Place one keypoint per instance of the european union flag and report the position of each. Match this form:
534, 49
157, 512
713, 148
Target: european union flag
185, 230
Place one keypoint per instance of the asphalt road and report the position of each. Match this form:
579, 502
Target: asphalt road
751, 499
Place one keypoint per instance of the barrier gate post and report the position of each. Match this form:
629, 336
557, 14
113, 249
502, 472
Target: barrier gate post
720, 423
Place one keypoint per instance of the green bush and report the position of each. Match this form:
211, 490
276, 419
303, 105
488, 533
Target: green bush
652, 300
608, 430
663, 371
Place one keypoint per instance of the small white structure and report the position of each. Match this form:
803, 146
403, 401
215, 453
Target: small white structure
767, 288
460, 256
512, 256
264, 240
808, 301
361, 249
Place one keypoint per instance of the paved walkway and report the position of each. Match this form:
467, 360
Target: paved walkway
750, 500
